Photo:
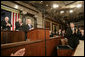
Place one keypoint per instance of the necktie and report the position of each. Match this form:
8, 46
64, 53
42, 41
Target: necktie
29, 26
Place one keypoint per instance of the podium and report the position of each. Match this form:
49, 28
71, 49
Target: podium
38, 34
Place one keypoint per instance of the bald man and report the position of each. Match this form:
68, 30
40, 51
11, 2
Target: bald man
6, 24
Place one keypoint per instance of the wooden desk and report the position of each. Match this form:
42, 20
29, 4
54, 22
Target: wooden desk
12, 36
33, 48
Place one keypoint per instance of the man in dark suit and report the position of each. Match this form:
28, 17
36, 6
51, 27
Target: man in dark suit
71, 34
27, 27
19, 24
6, 24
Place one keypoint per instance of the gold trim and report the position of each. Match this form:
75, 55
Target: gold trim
9, 9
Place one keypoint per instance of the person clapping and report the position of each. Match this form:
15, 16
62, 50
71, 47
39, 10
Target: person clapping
5, 24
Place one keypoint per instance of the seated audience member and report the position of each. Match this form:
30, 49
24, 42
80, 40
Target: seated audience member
65, 40
51, 34
79, 32
6, 24
19, 24
82, 34
71, 35
59, 32
20, 52
63, 33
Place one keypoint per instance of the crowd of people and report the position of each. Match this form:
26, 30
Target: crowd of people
71, 34
6, 25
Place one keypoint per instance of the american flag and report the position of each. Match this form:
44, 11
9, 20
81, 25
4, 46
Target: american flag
14, 18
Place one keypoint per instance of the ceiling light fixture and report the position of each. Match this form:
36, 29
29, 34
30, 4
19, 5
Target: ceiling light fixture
71, 11
55, 5
61, 12
41, 1
47, 5
79, 5
16, 6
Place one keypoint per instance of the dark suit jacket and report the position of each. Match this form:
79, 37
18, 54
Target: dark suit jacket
3, 24
26, 27
82, 38
18, 27
73, 40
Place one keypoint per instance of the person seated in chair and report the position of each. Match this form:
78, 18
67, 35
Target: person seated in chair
82, 35
63, 33
51, 34
59, 32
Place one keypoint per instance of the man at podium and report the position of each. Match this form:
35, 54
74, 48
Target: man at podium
28, 26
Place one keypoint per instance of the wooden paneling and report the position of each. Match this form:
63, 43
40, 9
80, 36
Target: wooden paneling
47, 24
2, 41
65, 52
51, 46
32, 48
38, 34
12, 36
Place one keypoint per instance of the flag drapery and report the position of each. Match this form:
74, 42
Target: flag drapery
14, 18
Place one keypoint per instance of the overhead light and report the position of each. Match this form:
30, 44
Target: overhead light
47, 5
41, 1
71, 11
16, 6
79, 6
61, 11
55, 5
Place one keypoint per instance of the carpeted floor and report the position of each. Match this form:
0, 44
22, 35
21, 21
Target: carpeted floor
80, 49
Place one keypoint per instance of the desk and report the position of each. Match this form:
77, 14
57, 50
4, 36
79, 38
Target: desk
12, 36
